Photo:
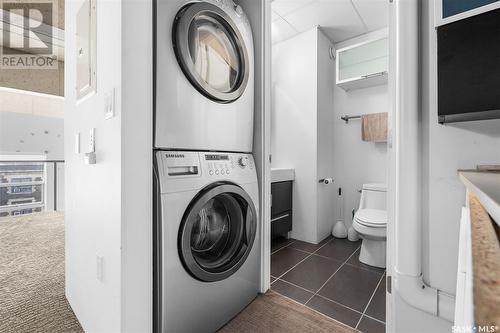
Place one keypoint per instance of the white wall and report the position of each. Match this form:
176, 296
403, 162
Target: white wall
301, 128
293, 124
355, 161
137, 165
108, 205
446, 149
93, 192
325, 137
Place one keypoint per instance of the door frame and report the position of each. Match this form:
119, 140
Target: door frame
265, 137
265, 129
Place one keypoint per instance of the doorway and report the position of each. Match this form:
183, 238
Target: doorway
329, 70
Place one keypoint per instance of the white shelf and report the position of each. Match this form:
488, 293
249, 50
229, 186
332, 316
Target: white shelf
486, 186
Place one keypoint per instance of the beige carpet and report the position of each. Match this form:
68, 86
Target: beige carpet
32, 275
273, 313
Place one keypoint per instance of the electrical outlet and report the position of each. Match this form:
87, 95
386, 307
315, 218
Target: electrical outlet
92, 140
99, 267
109, 106
77, 143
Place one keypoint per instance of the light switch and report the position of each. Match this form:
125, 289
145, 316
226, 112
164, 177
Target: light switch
109, 106
77, 143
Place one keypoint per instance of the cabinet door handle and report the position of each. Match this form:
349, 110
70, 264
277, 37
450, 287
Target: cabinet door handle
374, 74
280, 217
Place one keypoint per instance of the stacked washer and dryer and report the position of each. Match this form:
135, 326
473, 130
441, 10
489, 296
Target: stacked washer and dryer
207, 245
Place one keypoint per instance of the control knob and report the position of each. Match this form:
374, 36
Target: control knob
243, 161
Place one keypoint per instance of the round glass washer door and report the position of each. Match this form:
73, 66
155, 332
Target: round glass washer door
211, 51
217, 232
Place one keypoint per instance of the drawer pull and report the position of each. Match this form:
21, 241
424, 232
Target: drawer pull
280, 217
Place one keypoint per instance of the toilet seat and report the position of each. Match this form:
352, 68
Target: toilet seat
374, 218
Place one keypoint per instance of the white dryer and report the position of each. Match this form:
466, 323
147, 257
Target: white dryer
204, 76
207, 239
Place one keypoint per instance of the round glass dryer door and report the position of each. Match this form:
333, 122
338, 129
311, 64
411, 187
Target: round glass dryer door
211, 51
217, 232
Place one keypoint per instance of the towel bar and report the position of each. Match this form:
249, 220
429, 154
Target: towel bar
347, 117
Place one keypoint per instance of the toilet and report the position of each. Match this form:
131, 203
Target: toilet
370, 221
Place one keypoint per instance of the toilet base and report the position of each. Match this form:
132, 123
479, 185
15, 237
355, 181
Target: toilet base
373, 252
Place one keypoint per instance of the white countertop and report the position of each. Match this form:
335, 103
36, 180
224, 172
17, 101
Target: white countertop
486, 186
282, 174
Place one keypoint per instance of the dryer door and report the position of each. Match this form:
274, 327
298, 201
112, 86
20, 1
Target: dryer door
211, 51
217, 232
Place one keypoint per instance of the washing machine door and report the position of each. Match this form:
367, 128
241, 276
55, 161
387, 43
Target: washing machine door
211, 51
217, 232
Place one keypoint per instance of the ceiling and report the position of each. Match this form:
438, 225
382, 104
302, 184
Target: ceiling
339, 19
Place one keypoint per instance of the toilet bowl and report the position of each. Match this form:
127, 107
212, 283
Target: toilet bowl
370, 221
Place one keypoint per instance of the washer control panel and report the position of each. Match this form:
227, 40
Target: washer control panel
224, 164
182, 170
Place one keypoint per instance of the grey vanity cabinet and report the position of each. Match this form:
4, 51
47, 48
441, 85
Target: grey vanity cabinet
281, 208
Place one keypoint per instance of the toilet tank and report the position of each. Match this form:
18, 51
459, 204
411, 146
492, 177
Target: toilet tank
373, 196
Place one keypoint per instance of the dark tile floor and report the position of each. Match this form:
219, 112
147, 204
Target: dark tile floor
329, 278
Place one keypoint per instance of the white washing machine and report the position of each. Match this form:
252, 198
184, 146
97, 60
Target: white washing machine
204, 74
207, 239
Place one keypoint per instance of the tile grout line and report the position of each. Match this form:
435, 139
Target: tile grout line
281, 248
323, 297
303, 250
301, 261
279, 277
345, 306
313, 252
333, 275
327, 299
371, 298
374, 319
315, 311
347, 263
296, 285
365, 269
340, 304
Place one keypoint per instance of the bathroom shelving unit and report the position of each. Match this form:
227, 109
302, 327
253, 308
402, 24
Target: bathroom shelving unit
363, 65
